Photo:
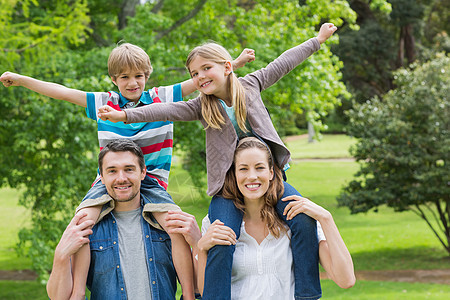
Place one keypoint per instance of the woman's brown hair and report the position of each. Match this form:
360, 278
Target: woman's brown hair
230, 188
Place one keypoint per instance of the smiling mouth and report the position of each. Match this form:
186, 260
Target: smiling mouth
205, 84
121, 188
133, 90
253, 186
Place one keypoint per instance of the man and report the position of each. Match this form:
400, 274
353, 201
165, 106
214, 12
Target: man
129, 258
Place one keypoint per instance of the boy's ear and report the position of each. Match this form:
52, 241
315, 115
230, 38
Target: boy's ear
228, 68
113, 80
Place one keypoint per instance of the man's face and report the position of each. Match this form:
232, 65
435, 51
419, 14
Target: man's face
122, 175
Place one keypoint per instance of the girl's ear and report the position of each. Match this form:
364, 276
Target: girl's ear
228, 68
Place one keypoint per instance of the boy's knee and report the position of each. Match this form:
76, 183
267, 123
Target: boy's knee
92, 213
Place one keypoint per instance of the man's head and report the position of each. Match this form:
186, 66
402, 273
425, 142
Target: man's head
129, 67
122, 166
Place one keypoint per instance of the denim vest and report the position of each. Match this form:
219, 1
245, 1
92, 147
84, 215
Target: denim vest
105, 279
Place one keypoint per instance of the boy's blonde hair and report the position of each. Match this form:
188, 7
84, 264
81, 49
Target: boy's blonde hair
126, 57
210, 106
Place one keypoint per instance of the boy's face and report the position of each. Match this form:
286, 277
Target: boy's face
131, 84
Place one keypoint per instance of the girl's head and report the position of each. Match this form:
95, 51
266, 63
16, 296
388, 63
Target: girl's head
210, 68
128, 57
254, 177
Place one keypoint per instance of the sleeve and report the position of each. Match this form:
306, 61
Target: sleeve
96, 100
174, 111
205, 224
286, 62
167, 94
320, 234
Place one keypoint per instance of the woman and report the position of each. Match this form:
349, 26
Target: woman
262, 263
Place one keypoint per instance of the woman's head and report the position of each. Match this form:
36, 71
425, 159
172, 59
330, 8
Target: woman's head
254, 177
210, 68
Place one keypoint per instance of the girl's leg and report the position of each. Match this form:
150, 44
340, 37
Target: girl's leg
305, 250
220, 258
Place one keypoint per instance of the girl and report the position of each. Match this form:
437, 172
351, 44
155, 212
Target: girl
231, 108
262, 265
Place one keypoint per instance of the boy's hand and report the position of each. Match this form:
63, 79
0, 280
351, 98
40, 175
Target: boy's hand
246, 56
107, 113
326, 30
10, 79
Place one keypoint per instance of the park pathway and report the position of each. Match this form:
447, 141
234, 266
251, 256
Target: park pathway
424, 276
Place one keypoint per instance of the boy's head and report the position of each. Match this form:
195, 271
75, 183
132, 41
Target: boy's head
128, 57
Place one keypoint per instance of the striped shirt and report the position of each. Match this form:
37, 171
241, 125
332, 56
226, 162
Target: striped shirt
154, 138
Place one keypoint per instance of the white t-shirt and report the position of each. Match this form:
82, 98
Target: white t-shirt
262, 271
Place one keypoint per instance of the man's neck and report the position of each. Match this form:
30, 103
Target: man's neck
129, 205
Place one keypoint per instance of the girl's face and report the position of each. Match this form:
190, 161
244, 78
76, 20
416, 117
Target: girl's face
253, 173
209, 77
131, 84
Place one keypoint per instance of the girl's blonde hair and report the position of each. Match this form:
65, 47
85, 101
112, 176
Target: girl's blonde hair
127, 56
210, 106
230, 188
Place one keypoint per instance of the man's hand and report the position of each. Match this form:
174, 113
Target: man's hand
326, 30
107, 113
74, 237
185, 224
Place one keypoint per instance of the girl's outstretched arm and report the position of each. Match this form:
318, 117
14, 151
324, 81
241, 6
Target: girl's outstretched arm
333, 253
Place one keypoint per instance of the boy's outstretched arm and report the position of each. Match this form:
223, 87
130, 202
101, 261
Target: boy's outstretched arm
49, 89
246, 56
326, 30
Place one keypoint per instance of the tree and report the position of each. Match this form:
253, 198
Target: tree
404, 148
49, 147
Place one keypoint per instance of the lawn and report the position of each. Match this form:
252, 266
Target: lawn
377, 241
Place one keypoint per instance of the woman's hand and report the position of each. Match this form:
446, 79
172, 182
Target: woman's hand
246, 56
107, 113
217, 234
303, 205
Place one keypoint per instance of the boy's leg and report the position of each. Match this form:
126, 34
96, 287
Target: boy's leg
220, 258
82, 259
182, 258
305, 250
156, 204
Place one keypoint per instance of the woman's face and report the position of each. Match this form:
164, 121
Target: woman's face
253, 173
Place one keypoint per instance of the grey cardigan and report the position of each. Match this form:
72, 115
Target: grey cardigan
220, 144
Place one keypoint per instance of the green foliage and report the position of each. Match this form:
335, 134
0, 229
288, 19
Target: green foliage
404, 148
49, 147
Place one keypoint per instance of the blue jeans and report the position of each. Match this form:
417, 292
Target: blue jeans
304, 244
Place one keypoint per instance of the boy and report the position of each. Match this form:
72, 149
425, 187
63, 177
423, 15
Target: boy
129, 68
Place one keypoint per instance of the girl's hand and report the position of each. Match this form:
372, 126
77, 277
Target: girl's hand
217, 234
247, 55
185, 224
10, 79
303, 205
326, 30
106, 112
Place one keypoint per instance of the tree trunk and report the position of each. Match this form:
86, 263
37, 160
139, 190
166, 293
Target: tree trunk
128, 9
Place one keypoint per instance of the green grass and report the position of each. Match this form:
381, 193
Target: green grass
377, 241
331, 146
14, 217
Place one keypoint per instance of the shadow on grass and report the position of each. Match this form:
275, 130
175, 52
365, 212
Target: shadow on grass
416, 258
